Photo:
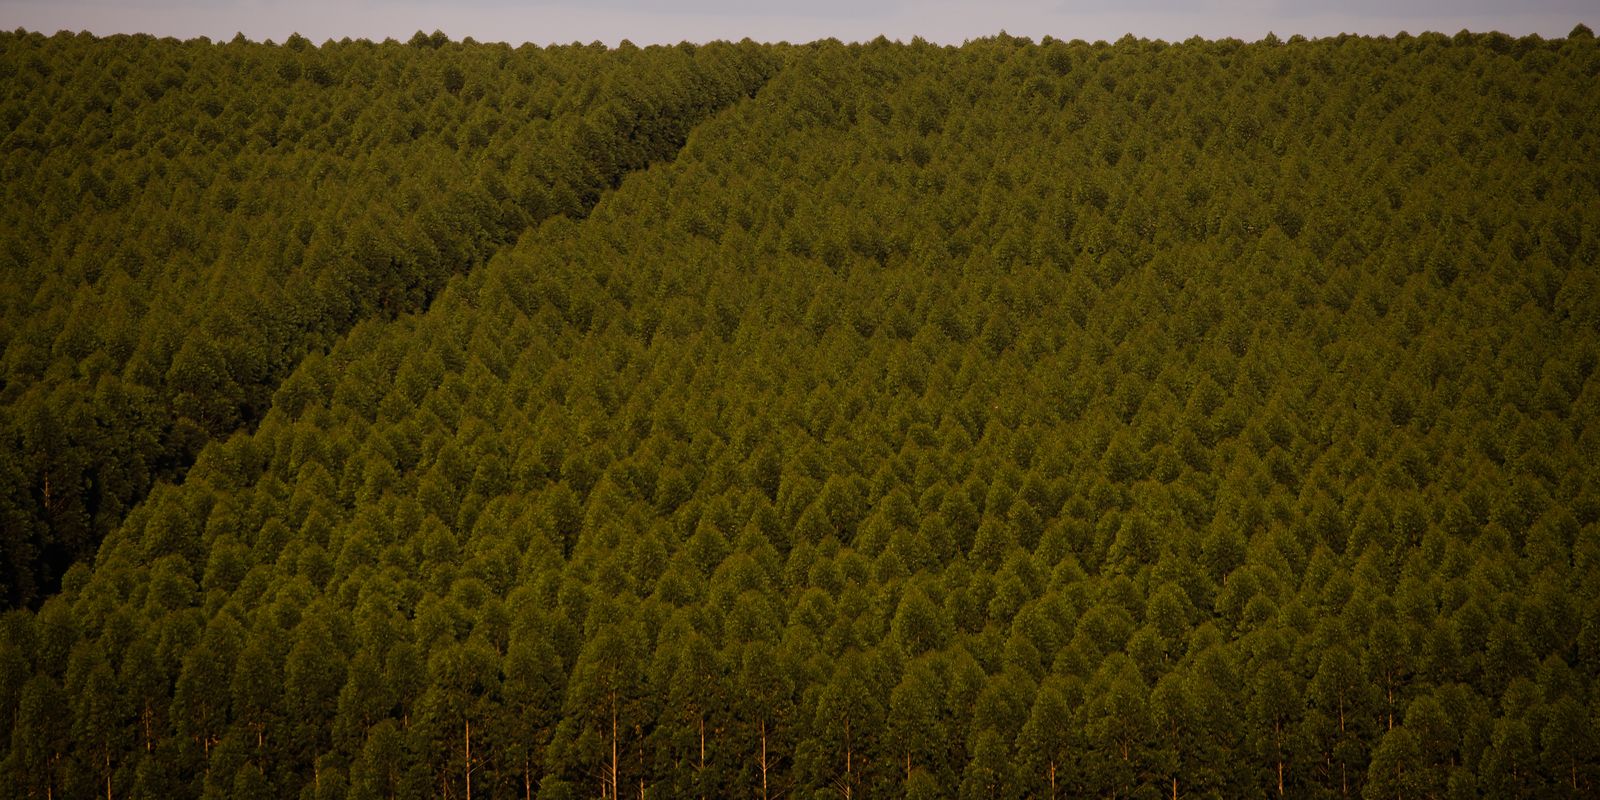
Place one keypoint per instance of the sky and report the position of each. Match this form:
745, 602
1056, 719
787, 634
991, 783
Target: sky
664, 21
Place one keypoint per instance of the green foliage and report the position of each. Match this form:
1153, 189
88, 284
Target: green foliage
1012, 420
187, 221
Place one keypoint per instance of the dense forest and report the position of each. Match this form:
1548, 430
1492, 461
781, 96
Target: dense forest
183, 222
1019, 419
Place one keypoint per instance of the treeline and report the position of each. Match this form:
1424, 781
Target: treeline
183, 222
1012, 420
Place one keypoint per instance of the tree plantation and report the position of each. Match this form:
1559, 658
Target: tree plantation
1013, 420
184, 222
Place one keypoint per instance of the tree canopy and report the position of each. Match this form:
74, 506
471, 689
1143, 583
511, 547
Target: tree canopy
1012, 420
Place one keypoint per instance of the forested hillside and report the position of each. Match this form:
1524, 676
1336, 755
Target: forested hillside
184, 221
1012, 420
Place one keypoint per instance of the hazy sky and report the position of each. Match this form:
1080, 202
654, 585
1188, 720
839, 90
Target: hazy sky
653, 21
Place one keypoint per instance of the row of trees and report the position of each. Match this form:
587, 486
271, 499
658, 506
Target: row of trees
1012, 420
184, 221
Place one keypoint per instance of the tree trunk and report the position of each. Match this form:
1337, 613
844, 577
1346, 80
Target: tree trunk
700, 771
615, 788
1052, 779
763, 759
1174, 787
849, 779
469, 758
1388, 680
1277, 743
